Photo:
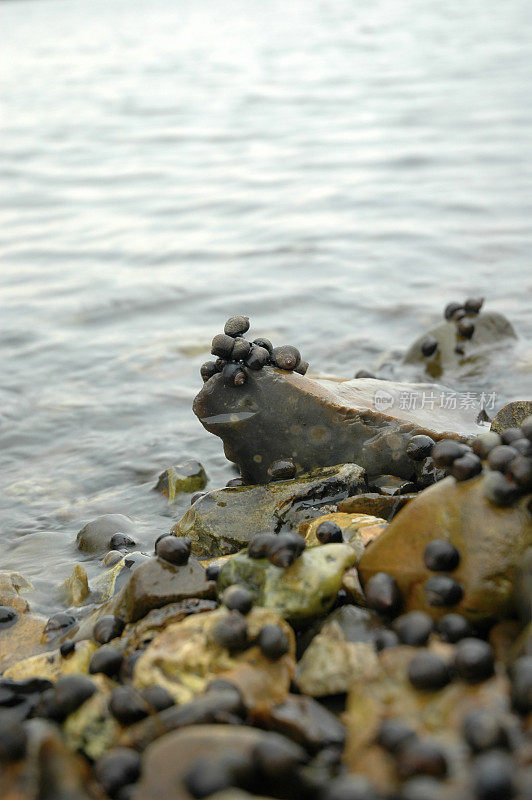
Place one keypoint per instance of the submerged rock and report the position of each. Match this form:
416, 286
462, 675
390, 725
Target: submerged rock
459, 344
306, 589
490, 540
186, 656
96, 535
75, 589
11, 586
187, 477
226, 520
280, 415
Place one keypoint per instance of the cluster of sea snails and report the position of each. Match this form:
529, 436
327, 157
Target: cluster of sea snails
232, 633
460, 313
235, 354
508, 456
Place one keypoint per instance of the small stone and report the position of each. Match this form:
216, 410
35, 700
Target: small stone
236, 325
485, 442
394, 734
95, 535
112, 558
212, 572
67, 695
58, 624
282, 470
273, 642
13, 739
384, 639
521, 472
196, 496
499, 490
107, 660
222, 345
382, 594
521, 677
328, 532
523, 446
67, 648
241, 349
260, 545
419, 447
107, 627
443, 591
428, 672
453, 627
473, 305
237, 598
483, 731
466, 328
120, 540
233, 375
286, 357
451, 309
127, 706
265, 343
429, 345
466, 467
257, 358
474, 660
302, 367
493, 776
510, 435
207, 370
117, 768
421, 757
231, 632
501, 457
446, 451
174, 549
157, 698
413, 628
441, 556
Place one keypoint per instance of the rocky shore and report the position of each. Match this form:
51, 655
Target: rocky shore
349, 619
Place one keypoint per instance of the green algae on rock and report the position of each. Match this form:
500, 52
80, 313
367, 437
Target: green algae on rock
180, 478
491, 541
280, 415
225, 521
306, 589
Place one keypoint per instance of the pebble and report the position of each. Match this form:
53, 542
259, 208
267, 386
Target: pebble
443, 591
222, 345
466, 328
8, 616
67, 648
453, 627
196, 496
241, 349
446, 451
493, 776
231, 632
382, 594
238, 598
157, 698
394, 734
501, 457
521, 678
58, 623
328, 532
485, 442
286, 357
174, 549
257, 358
523, 446
119, 540
428, 672
441, 556
234, 482
511, 435
421, 757
207, 370
474, 660
260, 545
67, 695
273, 642
466, 467
419, 447
482, 730
117, 768
111, 558
302, 367
236, 325
473, 304
233, 375
13, 739
451, 309
261, 342
282, 470
107, 659
212, 572
384, 639
413, 628
127, 706
521, 472
499, 490
429, 345
107, 628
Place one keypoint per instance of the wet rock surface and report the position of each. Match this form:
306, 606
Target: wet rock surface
187, 477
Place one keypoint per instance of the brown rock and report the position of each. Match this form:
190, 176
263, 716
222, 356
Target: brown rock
376, 505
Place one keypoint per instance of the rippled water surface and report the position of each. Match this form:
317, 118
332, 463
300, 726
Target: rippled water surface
336, 170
